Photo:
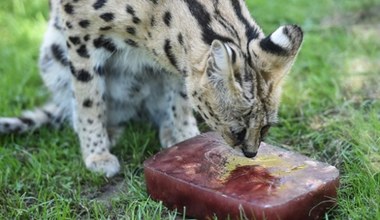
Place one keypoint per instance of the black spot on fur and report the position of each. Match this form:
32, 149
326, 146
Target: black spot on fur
131, 30
98, 4
205, 117
250, 31
136, 20
130, 10
82, 51
86, 37
72, 69
105, 43
59, 54
75, 40
84, 23
69, 25
131, 43
227, 25
167, 18
106, 28
98, 42
184, 72
69, 9
183, 95
180, 39
90, 121
152, 21
203, 18
169, 53
107, 17
27, 121
48, 114
154, 1
87, 103
84, 76
154, 52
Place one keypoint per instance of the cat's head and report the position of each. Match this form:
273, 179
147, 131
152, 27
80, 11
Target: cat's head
239, 93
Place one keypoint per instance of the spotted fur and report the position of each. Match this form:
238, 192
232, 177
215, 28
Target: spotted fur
108, 61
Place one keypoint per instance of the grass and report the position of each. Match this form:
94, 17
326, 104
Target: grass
330, 112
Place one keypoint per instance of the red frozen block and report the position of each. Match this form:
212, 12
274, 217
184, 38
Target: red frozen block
204, 178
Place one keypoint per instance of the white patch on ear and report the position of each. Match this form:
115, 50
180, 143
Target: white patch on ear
278, 37
220, 54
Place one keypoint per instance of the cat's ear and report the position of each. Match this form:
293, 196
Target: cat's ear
219, 60
276, 53
219, 63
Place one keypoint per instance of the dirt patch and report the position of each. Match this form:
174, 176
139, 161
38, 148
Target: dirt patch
367, 16
362, 80
111, 190
366, 32
115, 188
363, 24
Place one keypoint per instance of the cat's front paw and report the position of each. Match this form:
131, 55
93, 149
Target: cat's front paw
105, 163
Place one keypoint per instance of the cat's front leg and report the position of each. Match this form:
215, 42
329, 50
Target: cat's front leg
86, 63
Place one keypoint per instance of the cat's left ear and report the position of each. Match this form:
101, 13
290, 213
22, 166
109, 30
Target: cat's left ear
219, 61
219, 64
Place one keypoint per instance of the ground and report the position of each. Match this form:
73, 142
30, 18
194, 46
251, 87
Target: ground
330, 111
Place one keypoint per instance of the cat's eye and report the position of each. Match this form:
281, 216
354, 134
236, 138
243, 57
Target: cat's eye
264, 131
241, 135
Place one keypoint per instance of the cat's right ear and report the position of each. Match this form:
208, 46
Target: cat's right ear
283, 42
277, 52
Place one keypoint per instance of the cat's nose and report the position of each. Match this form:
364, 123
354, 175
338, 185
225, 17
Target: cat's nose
250, 145
248, 153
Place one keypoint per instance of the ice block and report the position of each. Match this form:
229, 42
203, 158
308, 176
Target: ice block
204, 178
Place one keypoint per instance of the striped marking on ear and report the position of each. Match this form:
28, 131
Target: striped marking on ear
285, 41
269, 46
